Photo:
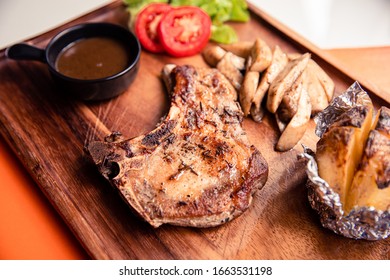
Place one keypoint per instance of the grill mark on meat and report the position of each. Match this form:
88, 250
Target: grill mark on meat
201, 146
191, 119
221, 149
182, 168
187, 136
207, 154
154, 138
169, 140
213, 123
127, 148
168, 158
197, 168
195, 118
231, 116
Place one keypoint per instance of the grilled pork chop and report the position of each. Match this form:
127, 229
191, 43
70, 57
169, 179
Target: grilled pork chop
197, 168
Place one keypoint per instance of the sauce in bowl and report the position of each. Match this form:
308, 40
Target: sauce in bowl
92, 58
91, 61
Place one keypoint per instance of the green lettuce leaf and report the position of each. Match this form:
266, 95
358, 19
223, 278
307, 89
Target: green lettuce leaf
224, 34
186, 2
219, 11
239, 11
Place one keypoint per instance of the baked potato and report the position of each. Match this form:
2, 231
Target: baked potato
382, 121
340, 148
348, 144
337, 158
371, 183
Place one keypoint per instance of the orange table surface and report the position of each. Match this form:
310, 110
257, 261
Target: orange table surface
30, 228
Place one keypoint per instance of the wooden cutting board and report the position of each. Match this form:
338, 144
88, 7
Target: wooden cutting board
48, 132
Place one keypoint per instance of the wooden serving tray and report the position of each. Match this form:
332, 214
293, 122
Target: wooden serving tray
48, 132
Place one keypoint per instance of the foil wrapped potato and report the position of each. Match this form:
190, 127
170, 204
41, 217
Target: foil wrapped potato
371, 182
340, 148
349, 175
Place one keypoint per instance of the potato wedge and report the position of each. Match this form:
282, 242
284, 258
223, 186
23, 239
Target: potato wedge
318, 98
247, 91
296, 128
212, 54
260, 57
285, 80
279, 61
230, 66
371, 183
292, 56
242, 48
325, 81
290, 101
281, 124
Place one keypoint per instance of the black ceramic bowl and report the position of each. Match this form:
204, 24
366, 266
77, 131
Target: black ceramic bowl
86, 89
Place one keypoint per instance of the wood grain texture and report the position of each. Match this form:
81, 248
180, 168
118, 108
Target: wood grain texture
48, 131
358, 59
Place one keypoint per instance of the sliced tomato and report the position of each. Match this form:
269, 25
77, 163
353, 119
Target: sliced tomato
184, 31
146, 25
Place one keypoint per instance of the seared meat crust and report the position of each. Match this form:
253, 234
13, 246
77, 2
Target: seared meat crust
197, 168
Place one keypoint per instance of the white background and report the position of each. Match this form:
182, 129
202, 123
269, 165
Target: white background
326, 23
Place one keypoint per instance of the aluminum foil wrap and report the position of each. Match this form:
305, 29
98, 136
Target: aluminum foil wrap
362, 222
354, 96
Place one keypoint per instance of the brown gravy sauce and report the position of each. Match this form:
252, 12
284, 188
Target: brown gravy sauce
92, 58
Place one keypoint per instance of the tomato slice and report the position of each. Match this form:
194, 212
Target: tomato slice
184, 31
146, 25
